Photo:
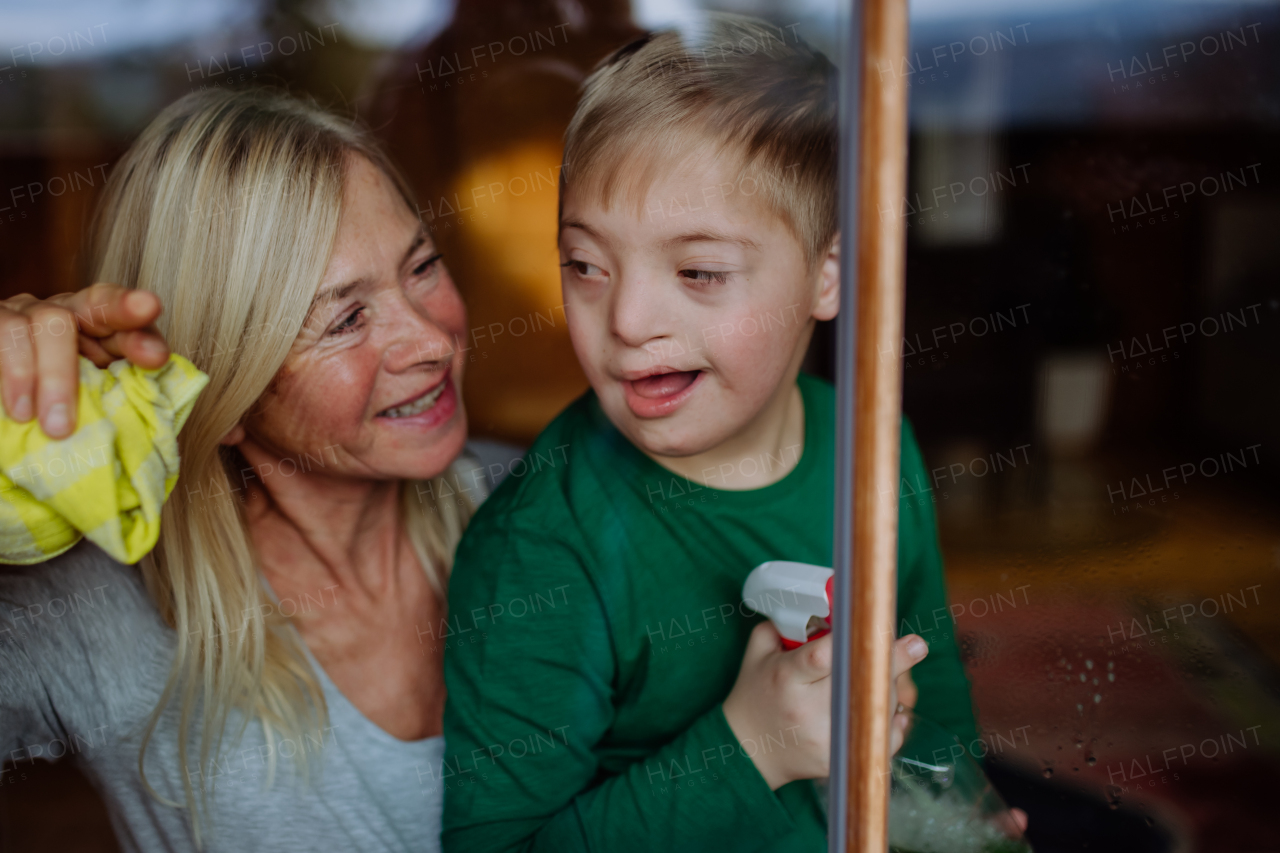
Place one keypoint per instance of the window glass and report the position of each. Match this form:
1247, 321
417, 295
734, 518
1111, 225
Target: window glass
1089, 351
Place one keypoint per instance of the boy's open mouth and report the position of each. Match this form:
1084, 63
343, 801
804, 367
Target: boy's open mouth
660, 393
662, 385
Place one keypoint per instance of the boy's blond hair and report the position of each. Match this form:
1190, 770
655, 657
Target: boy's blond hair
755, 92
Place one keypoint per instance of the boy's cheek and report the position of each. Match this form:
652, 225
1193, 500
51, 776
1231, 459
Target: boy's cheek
772, 326
750, 366
584, 334
592, 351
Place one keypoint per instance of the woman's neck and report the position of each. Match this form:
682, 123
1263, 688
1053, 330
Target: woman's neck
310, 525
338, 559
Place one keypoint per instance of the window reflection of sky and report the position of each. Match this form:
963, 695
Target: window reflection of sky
129, 25
390, 23
1050, 63
1074, 62
163, 23
973, 65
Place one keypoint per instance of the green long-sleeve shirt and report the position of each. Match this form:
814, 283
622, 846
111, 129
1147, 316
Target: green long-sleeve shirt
596, 626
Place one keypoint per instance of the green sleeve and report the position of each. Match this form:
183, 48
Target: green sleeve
922, 600
530, 697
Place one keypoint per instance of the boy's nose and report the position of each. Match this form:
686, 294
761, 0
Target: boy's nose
637, 313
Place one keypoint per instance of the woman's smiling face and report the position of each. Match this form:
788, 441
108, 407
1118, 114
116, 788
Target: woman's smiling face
371, 385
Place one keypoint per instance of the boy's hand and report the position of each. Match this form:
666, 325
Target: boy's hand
903, 695
783, 696
787, 696
40, 339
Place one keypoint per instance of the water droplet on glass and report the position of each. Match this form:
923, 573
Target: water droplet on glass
1113, 796
1088, 664
1150, 820
1048, 772
1082, 676
1091, 760
1097, 697
1111, 676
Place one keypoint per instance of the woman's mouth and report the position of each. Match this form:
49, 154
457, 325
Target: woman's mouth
429, 408
660, 393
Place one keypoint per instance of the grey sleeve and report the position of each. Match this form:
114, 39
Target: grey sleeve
78, 635
491, 460
27, 716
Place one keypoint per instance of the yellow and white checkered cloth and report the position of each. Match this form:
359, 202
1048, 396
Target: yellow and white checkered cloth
110, 478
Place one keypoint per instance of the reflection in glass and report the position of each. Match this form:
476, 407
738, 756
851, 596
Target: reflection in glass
1089, 355
940, 801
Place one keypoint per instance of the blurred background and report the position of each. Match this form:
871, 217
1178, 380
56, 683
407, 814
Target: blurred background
1091, 358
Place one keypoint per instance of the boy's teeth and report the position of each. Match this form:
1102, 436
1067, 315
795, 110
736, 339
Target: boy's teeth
418, 406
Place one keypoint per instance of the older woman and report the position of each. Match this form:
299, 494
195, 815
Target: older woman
271, 677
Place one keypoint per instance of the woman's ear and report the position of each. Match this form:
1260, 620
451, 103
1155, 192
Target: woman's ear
234, 436
827, 305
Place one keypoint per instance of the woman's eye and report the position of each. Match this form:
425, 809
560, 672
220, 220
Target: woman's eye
705, 276
428, 264
349, 323
583, 268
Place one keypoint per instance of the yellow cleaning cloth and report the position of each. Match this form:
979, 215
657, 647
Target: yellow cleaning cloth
110, 478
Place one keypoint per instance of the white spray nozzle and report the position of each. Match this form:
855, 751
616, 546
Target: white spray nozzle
791, 595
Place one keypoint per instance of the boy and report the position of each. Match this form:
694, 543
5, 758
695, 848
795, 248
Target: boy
596, 599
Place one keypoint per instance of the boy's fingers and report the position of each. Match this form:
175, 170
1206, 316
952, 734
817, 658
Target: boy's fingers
907, 691
907, 652
898, 732
764, 640
56, 353
1013, 822
814, 659
17, 366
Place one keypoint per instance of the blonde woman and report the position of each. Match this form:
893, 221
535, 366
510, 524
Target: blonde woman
269, 677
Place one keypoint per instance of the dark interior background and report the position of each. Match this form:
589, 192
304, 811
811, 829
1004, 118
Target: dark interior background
1085, 176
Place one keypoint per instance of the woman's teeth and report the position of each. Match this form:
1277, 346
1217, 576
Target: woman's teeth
418, 406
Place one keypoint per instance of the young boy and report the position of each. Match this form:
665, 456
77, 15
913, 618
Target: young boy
606, 689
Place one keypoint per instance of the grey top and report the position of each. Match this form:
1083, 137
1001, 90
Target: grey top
84, 657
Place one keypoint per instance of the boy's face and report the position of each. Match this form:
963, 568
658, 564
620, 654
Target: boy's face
691, 314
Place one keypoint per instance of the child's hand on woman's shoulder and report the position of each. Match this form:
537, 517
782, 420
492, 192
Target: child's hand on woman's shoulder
786, 695
42, 339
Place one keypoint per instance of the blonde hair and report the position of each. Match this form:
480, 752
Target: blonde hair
754, 91
227, 207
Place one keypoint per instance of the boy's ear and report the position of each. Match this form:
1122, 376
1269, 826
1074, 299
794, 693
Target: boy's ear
827, 304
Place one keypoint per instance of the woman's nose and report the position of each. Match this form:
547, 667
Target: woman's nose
416, 337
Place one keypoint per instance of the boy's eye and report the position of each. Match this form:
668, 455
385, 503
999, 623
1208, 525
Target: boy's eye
583, 268
428, 264
349, 323
705, 276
